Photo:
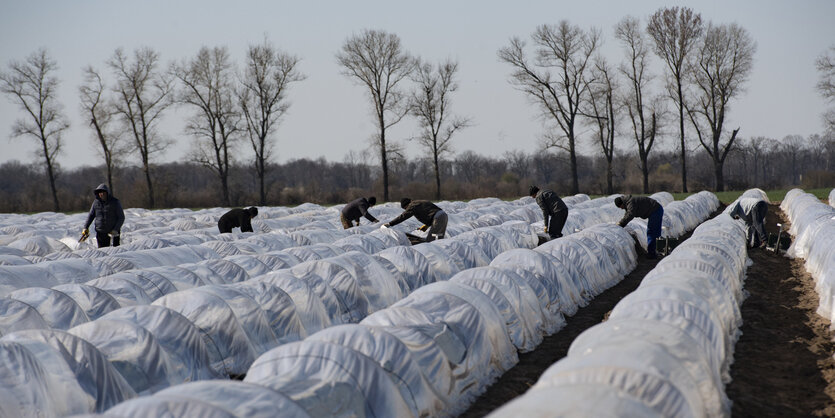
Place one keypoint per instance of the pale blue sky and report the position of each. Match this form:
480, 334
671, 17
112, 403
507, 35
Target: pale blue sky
330, 114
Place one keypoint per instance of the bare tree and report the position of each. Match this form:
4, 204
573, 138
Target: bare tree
676, 32
793, 146
757, 148
555, 79
602, 113
724, 62
143, 95
32, 86
430, 104
101, 112
641, 110
826, 84
263, 100
208, 88
377, 60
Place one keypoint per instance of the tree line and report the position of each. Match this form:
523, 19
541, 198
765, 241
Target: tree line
768, 163
560, 68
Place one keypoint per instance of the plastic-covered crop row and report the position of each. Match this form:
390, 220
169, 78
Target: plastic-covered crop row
433, 351
236, 322
214, 330
813, 227
665, 349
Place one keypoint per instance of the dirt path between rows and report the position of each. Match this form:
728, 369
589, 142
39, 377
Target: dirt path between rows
783, 363
517, 380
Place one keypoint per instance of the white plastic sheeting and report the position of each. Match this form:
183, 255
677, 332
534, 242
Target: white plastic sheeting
665, 349
813, 227
202, 305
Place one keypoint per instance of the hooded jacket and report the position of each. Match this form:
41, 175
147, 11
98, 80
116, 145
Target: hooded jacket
638, 207
108, 213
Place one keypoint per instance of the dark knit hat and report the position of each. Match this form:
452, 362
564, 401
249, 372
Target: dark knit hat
533, 191
372, 201
619, 201
253, 211
404, 202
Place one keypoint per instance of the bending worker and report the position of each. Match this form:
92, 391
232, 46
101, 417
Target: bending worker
552, 207
753, 212
353, 211
237, 218
646, 208
109, 216
433, 217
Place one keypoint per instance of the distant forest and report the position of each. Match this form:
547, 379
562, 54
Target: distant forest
759, 162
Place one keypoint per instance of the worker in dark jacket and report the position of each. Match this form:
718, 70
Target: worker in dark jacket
109, 216
553, 208
646, 208
352, 212
433, 217
237, 218
752, 211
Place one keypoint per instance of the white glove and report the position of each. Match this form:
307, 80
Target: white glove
383, 226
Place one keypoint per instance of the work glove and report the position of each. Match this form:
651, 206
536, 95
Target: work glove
546, 229
384, 226
85, 231
424, 227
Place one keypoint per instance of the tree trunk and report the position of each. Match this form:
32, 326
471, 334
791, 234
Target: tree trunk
717, 172
437, 179
645, 172
575, 183
384, 159
261, 173
147, 171
683, 149
51, 175
224, 181
610, 188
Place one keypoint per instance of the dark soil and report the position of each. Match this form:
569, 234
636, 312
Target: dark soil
783, 364
783, 361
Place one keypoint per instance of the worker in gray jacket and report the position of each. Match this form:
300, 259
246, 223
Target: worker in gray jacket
646, 208
752, 211
553, 208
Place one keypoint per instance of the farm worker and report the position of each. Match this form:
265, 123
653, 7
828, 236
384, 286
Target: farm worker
646, 208
552, 207
109, 216
237, 218
433, 217
752, 211
353, 211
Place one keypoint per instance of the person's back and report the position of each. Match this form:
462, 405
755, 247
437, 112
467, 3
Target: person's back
753, 212
554, 210
637, 207
357, 208
434, 218
237, 218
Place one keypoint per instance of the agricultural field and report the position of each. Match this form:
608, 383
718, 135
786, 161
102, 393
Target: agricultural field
303, 318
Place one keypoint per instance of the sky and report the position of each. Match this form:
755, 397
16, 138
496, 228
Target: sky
330, 114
